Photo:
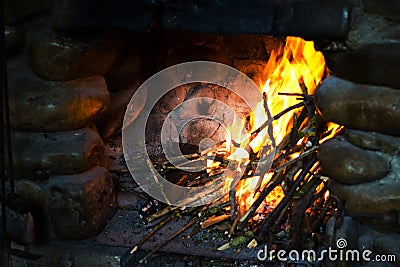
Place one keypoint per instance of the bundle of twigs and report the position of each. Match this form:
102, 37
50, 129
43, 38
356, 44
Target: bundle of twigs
297, 219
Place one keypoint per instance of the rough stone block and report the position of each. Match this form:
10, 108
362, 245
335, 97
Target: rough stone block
370, 64
361, 107
81, 204
313, 20
377, 197
373, 141
37, 105
57, 57
387, 8
33, 192
16, 10
362, 237
349, 230
74, 15
171, 47
347, 164
190, 121
369, 28
219, 17
172, 99
307, 19
43, 154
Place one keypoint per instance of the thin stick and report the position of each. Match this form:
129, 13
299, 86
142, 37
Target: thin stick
277, 116
155, 229
291, 94
288, 197
169, 239
214, 220
276, 180
266, 109
233, 226
232, 201
195, 230
267, 189
290, 162
305, 186
321, 217
192, 156
203, 180
299, 208
205, 152
160, 213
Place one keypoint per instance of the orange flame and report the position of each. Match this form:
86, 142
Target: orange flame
333, 129
296, 68
292, 67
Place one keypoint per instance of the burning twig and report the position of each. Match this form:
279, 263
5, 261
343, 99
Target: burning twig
288, 197
292, 161
203, 179
305, 194
232, 201
276, 179
291, 94
317, 223
297, 123
266, 110
277, 116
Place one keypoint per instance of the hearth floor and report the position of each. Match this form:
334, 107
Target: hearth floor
127, 230
112, 248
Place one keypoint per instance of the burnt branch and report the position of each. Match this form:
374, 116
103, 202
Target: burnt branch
289, 196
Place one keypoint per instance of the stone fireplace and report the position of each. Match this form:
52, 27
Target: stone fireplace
73, 66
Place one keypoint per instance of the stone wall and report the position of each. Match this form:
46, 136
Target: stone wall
363, 95
58, 93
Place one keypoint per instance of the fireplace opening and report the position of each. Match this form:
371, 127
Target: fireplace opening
123, 146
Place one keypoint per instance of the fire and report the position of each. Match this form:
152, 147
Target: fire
333, 129
246, 194
292, 67
295, 68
